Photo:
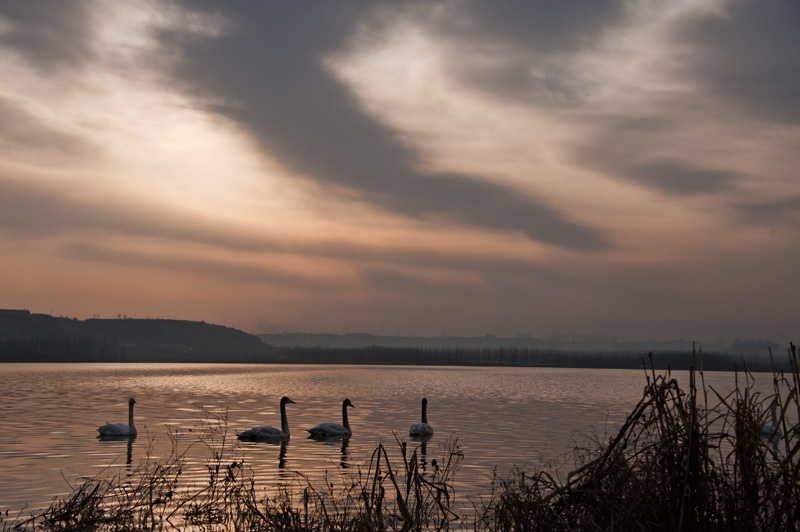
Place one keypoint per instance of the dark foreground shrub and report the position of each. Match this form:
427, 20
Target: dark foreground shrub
676, 464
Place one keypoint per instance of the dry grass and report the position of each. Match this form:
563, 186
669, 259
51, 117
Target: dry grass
383, 494
684, 460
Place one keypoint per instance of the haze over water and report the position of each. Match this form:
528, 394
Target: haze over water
501, 416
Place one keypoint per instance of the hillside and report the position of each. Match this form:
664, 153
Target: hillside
27, 337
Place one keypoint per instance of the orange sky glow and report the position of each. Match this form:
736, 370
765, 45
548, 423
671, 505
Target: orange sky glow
416, 168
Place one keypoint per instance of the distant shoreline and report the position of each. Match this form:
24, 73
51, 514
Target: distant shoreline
41, 338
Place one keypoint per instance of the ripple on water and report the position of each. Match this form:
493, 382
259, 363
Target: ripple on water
501, 417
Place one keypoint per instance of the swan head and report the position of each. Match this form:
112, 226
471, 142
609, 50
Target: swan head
347, 403
424, 401
131, 401
285, 400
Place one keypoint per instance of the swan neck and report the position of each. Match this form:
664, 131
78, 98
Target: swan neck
130, 416
345, 421
425, 413
284, 419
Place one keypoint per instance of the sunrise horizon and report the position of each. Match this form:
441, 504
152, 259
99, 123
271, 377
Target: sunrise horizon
606, 333
458, 168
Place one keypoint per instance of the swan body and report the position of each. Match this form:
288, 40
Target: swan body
772, 432
120, 430
422, 430
334, 430
270, 433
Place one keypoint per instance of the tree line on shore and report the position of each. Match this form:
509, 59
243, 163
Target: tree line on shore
524, 357
26, 337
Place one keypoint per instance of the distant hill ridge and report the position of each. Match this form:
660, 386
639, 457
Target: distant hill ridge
28, 337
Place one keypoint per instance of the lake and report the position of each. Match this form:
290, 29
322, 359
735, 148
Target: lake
502, 417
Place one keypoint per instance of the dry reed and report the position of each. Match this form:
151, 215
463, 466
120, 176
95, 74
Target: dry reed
685, 460
159, 495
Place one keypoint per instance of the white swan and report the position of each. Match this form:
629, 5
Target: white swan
422, 430
334, 430
270, 433
772, 432
120, 430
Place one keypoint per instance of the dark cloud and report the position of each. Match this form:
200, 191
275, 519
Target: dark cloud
268, 75
750, 57
48, 35
519, 49
770, 212
680, 178
535, 26
622, 150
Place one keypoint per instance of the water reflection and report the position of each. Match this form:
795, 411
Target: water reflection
536, 413
343, 441
114, 441
343, 461
282, 457
423, 456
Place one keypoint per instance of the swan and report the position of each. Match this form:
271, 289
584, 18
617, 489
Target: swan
334, 430
422, 430
772, 432
270, 433
120, 430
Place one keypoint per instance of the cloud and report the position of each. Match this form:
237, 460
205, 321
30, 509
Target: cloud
462, 166
36, 138
747, 55
274, 82
197, 264
543, 26
520, 49
37, 209
782, 211
50, 37
677, 177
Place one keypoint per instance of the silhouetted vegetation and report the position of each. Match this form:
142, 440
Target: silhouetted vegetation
689, 460
386, 493
26, 337
58, 348
511, 356
684, 460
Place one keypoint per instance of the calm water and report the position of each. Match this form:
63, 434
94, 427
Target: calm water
502, 416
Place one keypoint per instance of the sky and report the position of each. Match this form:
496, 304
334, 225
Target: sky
460, 167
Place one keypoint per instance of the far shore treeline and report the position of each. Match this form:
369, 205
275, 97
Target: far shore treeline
28, 337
